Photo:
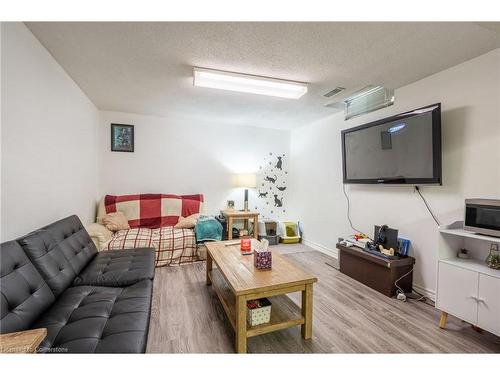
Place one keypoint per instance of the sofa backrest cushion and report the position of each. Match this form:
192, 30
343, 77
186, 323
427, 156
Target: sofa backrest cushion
151, 210
24, 294
59, 251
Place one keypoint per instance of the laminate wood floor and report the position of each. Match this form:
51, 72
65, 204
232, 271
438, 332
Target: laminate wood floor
348, 318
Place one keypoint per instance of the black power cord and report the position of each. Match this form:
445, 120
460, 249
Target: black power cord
426, 205
349, 212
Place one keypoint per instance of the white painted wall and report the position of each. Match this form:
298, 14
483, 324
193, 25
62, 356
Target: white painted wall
176, 155
49, 138
470, 97
55, 147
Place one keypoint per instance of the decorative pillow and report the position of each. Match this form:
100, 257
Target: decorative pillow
187, 222
99, 234
115, 221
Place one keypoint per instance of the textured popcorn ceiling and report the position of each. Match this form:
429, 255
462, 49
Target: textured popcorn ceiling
146, 68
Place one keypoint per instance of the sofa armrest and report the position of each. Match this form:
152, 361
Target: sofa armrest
99, 234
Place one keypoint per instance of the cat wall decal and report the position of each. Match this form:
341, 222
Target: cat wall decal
278, 202
270, 179
279, 164
272, 185
263, 195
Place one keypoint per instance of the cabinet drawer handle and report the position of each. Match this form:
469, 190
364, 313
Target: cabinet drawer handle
474, 298
480, 300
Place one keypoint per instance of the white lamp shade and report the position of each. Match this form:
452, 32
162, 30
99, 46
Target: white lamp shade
245, 180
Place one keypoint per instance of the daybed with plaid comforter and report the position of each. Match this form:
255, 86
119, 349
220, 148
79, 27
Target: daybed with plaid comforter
151, 218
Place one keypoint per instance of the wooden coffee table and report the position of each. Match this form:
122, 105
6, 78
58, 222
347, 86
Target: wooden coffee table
236, 280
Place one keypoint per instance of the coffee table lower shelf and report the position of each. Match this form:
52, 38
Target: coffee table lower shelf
284, 312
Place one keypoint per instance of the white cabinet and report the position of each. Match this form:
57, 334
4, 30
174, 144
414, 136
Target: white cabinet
467, 288
468, 294
457, 292
488, 310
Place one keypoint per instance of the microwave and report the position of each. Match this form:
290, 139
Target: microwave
482, 216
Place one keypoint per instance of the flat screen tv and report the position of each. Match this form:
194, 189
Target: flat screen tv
401, 149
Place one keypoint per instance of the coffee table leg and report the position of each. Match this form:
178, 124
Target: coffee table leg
229, 228
209, 268
241, 324
307, 304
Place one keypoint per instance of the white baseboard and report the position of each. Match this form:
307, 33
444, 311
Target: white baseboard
431, 294
334, 253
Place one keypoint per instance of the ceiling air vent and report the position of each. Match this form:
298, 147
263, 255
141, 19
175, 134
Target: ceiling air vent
368, 100
335, 91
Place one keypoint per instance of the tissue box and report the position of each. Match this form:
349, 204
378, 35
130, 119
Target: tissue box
262, 259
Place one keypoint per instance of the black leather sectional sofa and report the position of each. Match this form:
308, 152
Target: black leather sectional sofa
89, 301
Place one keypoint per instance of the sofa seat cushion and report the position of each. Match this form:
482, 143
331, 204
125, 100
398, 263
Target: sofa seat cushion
118, 268
93, 319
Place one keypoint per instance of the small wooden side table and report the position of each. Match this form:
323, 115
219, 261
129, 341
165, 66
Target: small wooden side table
23, 341
232, 215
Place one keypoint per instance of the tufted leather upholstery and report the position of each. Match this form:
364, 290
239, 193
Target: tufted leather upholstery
118, 268
110, 316
59, 251
24, 294
92, 319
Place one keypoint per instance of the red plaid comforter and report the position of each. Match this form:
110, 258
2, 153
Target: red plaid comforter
152, 218
173, 246
153, 210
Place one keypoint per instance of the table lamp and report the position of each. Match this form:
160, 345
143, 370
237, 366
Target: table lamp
247, 181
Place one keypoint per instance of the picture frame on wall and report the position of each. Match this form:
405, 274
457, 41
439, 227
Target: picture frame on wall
122, 138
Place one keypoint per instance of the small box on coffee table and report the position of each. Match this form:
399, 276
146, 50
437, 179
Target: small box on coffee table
262, 259
258, 311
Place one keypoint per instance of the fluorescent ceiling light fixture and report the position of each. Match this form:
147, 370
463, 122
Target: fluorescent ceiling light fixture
218, 79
